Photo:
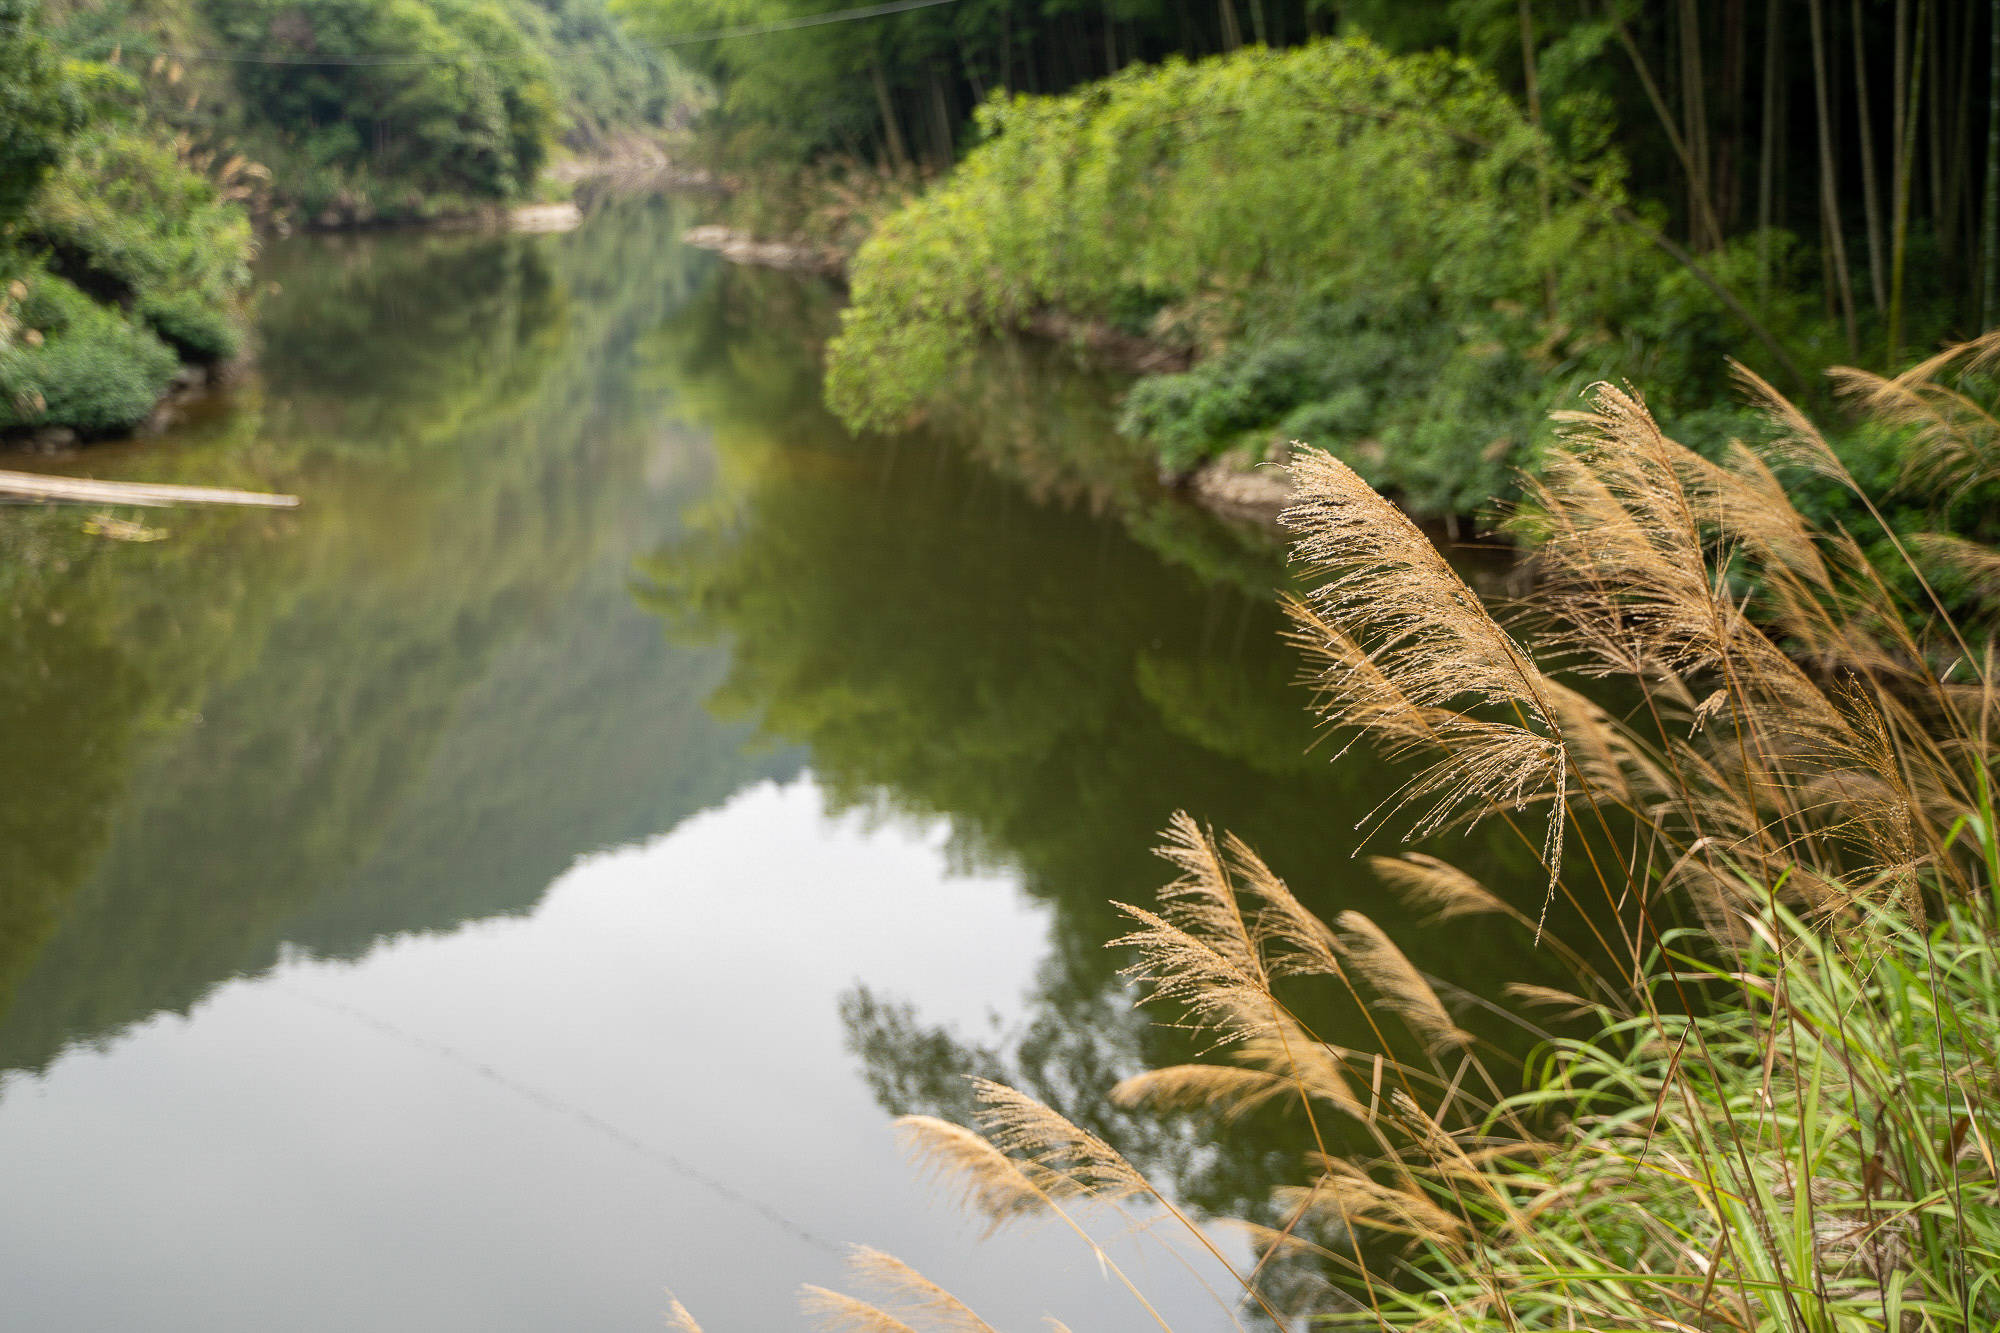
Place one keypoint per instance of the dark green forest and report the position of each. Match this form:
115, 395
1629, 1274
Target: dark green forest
1861, 129
1405, 232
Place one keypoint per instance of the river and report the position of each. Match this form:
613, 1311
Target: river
529, 877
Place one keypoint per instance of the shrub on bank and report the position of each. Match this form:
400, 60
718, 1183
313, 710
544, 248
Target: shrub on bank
80, 364
120, 256
126, 218
1378, 254
201, 332
1343, 238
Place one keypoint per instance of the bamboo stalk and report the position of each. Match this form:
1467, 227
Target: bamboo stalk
1829, 196
1534, 91
1905, 150
899, 156
1989, 301
1694, 105
1703, 210
1871, 200
1767, 155
154, 495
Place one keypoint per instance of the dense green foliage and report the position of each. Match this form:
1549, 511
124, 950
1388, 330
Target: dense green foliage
121, 259
1797, 188
359, 111
127, 219
474, 117
39, 108
1437, 285
607, 85
91, 368
124, 217
1858, 127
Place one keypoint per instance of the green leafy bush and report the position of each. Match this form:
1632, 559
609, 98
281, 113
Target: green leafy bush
39, 109
125, 218
474, 119
1377, 253
200, 331
85, 365
121, 254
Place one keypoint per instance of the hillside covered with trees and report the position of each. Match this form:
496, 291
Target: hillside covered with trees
382, 110
141, 140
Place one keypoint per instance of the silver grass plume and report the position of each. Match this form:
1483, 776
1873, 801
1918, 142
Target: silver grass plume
912, 1294
1066, 1158
989, 1182
1374, 956
678, 1318
1462, 690
838, 1313
1427, 884
1231, 1091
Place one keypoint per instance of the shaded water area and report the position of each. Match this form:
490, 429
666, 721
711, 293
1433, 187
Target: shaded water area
529, 876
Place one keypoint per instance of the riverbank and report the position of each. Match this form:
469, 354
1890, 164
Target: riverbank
631, 164
1426, 311
1252, 489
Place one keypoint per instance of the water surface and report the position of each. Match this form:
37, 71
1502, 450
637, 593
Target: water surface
531, 875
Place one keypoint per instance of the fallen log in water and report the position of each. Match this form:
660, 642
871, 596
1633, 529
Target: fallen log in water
155, 495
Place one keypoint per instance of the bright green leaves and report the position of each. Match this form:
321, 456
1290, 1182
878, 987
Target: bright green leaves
1377, 251
475, 116
39, 107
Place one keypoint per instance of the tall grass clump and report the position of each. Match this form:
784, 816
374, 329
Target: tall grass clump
1753, 758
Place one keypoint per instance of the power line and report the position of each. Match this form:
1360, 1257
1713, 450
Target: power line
803, 21
432, 58
549, 1102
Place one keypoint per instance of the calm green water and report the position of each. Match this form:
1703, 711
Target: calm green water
529, 876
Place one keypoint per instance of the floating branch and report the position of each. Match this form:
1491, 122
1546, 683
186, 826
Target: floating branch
155, 495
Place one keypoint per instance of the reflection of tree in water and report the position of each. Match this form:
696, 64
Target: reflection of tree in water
60, 769
947, 646
412, 703
391, 354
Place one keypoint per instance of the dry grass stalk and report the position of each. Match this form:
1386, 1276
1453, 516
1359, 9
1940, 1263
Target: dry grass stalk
1347, 1195
1375, 957
913, 1294
1563, 1002
1315, 1068
1070, 1159
1430, 638
1979, 565
1290, 941
678, 1318
1229, 1090
1443, 891
991, 1183
837, 1313
1796, 756
1954, 440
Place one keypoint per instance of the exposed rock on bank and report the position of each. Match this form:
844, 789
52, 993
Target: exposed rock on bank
740, 248
1258, 492
545, 217
640, 161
